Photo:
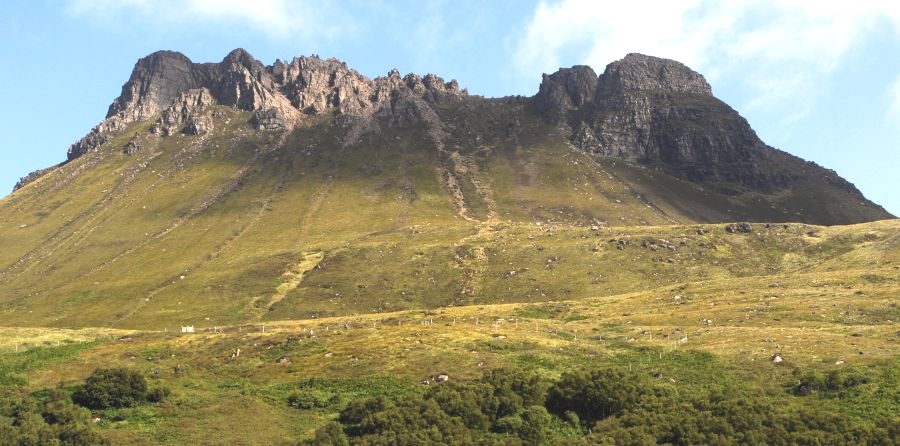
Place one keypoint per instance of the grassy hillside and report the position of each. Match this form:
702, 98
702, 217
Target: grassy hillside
239, 226
695, 336
367, 268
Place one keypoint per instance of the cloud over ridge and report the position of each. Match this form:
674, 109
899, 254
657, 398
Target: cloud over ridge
279, 19
779, 50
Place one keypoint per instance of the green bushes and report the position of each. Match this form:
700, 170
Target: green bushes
307, 399
535, 423
737, 420
331, 434
356, 410
413, 422
833, 381
115, 388
601, 406
597, 394
53, 421
501, 404
157, 394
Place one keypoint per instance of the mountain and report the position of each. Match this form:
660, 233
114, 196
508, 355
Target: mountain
235, 191
297, 252
653, 112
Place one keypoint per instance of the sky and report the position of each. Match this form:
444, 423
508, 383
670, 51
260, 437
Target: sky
818, 79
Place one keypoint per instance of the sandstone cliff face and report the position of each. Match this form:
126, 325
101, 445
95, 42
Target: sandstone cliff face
182, 115
168, 87
565, 92
640, 72
660, 113
155, 82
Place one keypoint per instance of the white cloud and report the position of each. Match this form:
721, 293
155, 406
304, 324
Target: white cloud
895, 103
280, 19
780, 51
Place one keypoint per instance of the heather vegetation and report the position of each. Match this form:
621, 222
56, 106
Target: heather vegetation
364, 385
47, 419
598, 406
118, 387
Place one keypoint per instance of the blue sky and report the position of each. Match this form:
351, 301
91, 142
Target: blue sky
819, 79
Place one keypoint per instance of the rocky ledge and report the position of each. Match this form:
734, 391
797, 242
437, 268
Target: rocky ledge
168, 87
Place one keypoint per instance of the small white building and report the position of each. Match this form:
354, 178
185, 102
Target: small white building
187, 328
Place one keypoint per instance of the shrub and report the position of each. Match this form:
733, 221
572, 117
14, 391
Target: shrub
462, 401
356, 410
511, 425
112, 388
619, 408
505, 392
529, 425
330, 434
158, 394
54, 421
833, 381
308, 399
413, 422
594, 395
535, 421
57, 408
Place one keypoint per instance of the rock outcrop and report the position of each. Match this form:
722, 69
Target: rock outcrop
647, 73
184, 115
267, 119
566, 91
154, 83
646, 110
31, 177
660, 113
168, 87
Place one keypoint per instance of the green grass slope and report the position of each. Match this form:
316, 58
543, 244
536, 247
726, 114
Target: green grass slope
716, 334
370, 267
239, 226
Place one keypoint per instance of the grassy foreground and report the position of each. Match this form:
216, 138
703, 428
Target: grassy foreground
229, 387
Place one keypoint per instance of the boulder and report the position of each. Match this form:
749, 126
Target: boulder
198, 125
131, 147
739, 228
268, 119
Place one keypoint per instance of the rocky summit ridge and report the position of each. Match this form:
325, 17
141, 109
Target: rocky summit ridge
168, 87
654, 112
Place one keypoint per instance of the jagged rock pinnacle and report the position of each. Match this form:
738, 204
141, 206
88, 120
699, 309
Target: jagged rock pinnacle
154, 83
169, 87
565, 90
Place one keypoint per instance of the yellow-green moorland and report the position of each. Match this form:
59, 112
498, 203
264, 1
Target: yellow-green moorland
317, 276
